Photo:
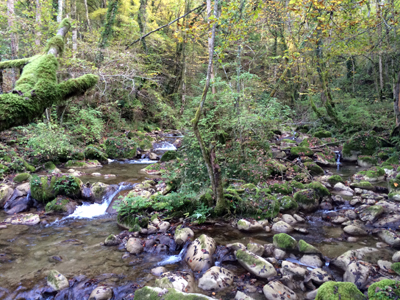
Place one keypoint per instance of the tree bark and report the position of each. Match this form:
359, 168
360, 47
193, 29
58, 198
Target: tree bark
142, 20
60, 10
74, 30
87, 15
13, 36
397, 102
38, 22
209, 157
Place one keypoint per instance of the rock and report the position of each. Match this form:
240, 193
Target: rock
340, 290
318, 277
134, 246
389, 237
153, 156
57, 281
255, 248
275, 290
182, 281
255, 264
158, 271
346, 258
279, 254
236, 246
311, 295
99, 190
182, 235
390, 221
249, 226
307, 199
156, 293
163, 226
306, 248
101, 293
21, 177
396, 267
289, 268
5, 194
343, 190
112, 240
199, 255
284, 241
376, 289
314, 169
281, 226
242, 296
357, 273
151, 229
311, 260
269, 249
396, 256
354, 230
94, 174
385, 265
288, 219
216, 279
23, 219
298, 218
350, 214
370, 213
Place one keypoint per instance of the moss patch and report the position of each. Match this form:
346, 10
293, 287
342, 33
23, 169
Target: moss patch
169, 155
332, 290
120, 147
314, 169
22, 177
384, 289
284, 241
363, 143
335, 179
323, 134
319, 188
287, 203
301, 151
281, 188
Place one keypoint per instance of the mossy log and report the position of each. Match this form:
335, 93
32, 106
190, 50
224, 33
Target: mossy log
37, 88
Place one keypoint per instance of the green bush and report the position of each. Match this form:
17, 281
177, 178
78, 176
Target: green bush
86, 124
120, 147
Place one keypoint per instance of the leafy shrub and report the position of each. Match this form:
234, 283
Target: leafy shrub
120, 147
86, 124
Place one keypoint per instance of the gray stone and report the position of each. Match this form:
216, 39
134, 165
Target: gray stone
57, 281
275, 290
199, 255
282, 227
134, 246
255, 264
311, 260
216, 279
101, 293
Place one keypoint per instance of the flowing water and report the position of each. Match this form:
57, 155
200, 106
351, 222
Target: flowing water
73, 245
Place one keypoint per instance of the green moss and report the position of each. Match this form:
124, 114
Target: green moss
335, 179
120, 147
323, 134
396, 267
43, 188
284, 241
297, 185
154, 217
281, 188
16, 63
332, 290
75, 163
49, 166
311, 142
385, 289
301, 151
28, 167
368, 159
306, 196
319, 188
249, 186
314, 169
287, 203
288, 141
374, 172
247, 258
148, 293
275, 168
22, 177
57, 205
362, 185
304, 247
169, 155
69, 186
363, 143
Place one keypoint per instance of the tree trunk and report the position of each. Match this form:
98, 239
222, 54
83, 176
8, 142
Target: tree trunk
60, 10
38, 22
397, 102
184, 66
38, 87
142, 20
87, 15
13, 36
74, 30
213, 169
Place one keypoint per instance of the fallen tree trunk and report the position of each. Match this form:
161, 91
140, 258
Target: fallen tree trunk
37, 88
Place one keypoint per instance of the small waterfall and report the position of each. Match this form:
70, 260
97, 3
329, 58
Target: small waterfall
163, 146
173, 259
337, 153
144, 161
91, 210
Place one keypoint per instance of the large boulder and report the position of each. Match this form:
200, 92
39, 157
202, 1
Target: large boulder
98, 191
57, 281
255, 264
332, 290
307, 200
357, 272
134, 246
199, 255
390, 237
370, 213
120, 147
216, 279
255, 248
341, 189
46, 188
181, 281
291, 269
245, 225
5, 194
377, 290
101, 293
276, 290
318, 276
23, 219
360, 144
367, 254
282, 227
306, 248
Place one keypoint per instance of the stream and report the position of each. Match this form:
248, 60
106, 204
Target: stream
73, 245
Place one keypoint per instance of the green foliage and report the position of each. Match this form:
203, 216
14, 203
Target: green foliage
120, 147
332, 290
86, 124
385, 289
201, 213
365, 143
168, 155
93, 152
69, 186
57, 205
50, 142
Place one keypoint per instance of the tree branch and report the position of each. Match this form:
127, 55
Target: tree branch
166, 25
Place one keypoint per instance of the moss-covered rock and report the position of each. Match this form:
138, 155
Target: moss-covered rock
43, 188
365, 185
95, 153
396, 267
21, 177
287, 204
49, 166
281, 188
323, 134
69, 186
306, 248
275, 167
255, 264
297, 185
371, 175
169, 155
57, 281
392, 160
57, 205
332, 180
307, 199
314, 169
120, 147
311, 142
301, 151
99, 189
385, 289
319, 188
29, 167
284, 241
156, 293
82, 164
332, 290
366, 161
361, 144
